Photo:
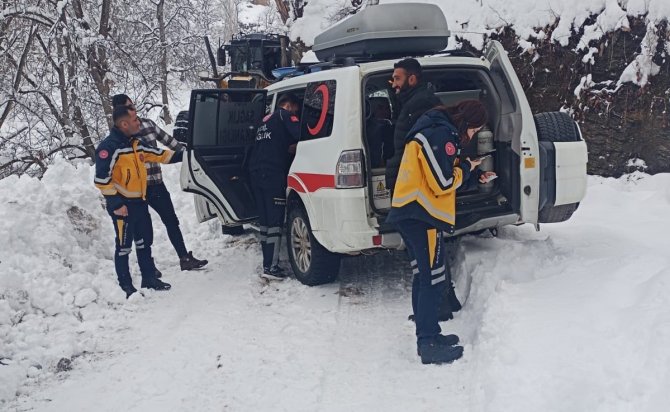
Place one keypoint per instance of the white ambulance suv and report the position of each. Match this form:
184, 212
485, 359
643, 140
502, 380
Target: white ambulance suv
336, 200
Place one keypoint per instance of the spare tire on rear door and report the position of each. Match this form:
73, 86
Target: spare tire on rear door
553, 127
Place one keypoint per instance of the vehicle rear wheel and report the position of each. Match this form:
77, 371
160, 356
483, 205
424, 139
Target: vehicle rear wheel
554, 127
312, 264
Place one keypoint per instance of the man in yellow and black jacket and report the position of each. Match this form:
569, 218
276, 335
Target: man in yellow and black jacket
422, 208
121, 176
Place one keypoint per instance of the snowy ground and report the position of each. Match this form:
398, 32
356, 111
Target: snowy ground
573, 318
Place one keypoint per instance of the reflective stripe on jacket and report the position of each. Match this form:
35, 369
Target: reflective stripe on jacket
429, 173
119, 167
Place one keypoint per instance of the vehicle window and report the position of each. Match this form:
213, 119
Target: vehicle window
318, 110
227, 118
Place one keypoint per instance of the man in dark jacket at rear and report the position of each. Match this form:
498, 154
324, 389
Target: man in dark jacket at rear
276, 140
415, 99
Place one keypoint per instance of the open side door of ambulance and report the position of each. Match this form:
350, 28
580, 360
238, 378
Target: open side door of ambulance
517, 142
221, 134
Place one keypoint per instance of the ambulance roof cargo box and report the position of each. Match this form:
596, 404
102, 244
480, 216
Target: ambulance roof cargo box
385, 31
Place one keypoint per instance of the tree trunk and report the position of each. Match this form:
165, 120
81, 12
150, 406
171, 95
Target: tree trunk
160, 15
283, 10
17, 78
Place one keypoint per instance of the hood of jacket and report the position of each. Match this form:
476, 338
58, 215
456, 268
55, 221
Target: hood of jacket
432, 119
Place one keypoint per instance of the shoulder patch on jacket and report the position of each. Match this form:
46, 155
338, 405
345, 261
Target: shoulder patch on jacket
103, 154
450, 149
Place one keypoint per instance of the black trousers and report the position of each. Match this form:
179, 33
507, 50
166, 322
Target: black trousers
269, 190
134, 227
159, 199
425, 246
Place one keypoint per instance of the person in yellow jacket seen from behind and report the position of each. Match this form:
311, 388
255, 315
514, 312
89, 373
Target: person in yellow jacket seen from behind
424, 206
121, 176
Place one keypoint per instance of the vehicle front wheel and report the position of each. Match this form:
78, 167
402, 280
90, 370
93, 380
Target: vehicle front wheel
312, 264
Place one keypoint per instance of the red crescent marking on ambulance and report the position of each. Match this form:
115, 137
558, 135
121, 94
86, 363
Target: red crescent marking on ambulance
324, 110
310, 182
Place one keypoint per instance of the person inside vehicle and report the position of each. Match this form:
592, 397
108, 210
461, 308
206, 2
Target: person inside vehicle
379, 131
424, 206
415, 99
276, 141
157, 195
123, 183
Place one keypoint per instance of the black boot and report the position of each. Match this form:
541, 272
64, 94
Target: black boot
443, 340
433, 352
155, 284
188, 262
129, 289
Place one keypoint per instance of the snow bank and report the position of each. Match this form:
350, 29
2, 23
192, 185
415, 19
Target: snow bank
57, 284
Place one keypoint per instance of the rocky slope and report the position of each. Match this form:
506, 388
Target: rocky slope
621, 121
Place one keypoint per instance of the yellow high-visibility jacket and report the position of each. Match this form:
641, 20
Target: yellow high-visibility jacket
429, 173
120, 171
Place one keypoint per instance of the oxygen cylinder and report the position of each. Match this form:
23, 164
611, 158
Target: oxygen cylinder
485, 146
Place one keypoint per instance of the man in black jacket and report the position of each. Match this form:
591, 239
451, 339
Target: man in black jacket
415, 99
276, 140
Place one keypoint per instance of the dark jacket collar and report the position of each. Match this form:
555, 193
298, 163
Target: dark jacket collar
407, 94
117, 134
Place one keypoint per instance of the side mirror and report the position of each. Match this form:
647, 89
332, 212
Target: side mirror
221, 57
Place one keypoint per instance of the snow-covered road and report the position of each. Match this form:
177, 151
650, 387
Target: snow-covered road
574, 317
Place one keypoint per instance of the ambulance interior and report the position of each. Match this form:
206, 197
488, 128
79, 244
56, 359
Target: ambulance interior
452, 85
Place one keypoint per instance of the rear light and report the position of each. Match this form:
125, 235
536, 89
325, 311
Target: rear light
349, 170
377, 240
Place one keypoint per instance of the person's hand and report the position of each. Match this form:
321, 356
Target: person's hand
474, 163
122, 211
486, 176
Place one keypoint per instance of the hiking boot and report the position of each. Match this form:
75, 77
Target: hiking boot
155, 284
129, 289
442, 340
273, 273
433, 352
188, 262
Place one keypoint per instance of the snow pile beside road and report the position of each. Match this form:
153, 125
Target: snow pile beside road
57, 283
574, 317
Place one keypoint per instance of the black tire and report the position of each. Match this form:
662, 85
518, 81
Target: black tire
232, 230
180, 131
556, 127
312, 264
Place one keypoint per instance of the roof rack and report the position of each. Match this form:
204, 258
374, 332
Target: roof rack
385, 31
